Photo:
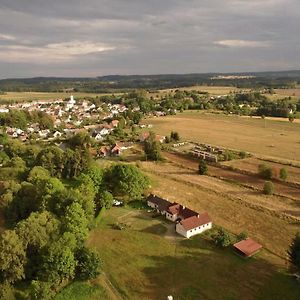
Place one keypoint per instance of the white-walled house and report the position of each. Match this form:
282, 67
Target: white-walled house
194, 225
188, 222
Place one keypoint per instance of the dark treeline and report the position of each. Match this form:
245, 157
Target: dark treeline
118, 82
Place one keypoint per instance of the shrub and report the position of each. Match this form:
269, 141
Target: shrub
202, 167
222, 238
241, 236
242, 154
265, 171
283, 174
268, 188
228, 155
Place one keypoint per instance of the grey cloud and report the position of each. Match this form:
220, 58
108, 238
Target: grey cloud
96, 37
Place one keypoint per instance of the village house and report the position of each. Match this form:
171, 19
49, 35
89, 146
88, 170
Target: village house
159, 138
114, 150
188, 222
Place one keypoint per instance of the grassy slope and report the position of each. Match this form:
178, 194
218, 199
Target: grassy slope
266, 137
82, 291
142, 264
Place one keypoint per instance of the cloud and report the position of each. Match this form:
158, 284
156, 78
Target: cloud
6, 37
56, 52
67, 37
242, 43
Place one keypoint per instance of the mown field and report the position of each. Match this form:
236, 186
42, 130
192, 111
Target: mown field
265, 137
34, 96
143, 262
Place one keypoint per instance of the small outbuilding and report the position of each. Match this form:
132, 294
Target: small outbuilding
247, 247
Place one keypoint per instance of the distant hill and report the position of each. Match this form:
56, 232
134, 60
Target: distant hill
280, 79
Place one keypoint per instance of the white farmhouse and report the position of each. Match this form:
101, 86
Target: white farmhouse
188, 222
194, 225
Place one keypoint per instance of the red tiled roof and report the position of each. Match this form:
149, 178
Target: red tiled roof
248, 246
181, 211
195, 221
174, 208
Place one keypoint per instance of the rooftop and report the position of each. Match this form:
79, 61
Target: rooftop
248, 247
195, 221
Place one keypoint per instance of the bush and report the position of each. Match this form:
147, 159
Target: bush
268, 188
283, 174
222, 238
88, 264
202, 167
242, 154
228, 155
241, 236
265, 171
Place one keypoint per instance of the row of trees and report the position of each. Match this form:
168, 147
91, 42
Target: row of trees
267, 172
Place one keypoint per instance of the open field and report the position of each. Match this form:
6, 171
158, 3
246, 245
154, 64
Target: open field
34, 96
251, 165
212, 90
264, 137
288, 92
256, 182
232, 206
142, 262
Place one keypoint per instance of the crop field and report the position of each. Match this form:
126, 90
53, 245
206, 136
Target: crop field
265, 137
35, 96
145, 261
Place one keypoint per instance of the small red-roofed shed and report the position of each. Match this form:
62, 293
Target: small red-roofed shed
247, 247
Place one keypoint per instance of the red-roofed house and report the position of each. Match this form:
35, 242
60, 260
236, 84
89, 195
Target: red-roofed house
194, 225
188, 222
247, 247
114, 123
177, 212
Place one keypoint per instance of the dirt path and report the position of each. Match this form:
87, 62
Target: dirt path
251, 181
112, 292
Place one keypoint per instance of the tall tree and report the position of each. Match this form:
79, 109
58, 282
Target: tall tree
294, 251
152, 148
12, 257
75, 221
126, 181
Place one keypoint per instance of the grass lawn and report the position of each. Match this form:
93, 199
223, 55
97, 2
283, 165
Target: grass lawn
264, 137
142, 262
82, 291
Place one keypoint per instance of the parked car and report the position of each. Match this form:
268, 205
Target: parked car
117, 203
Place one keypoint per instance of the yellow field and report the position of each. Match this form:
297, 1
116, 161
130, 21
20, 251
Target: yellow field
212, 90
34, 96
265, 137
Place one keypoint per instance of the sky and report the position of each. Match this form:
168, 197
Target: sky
87, 38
